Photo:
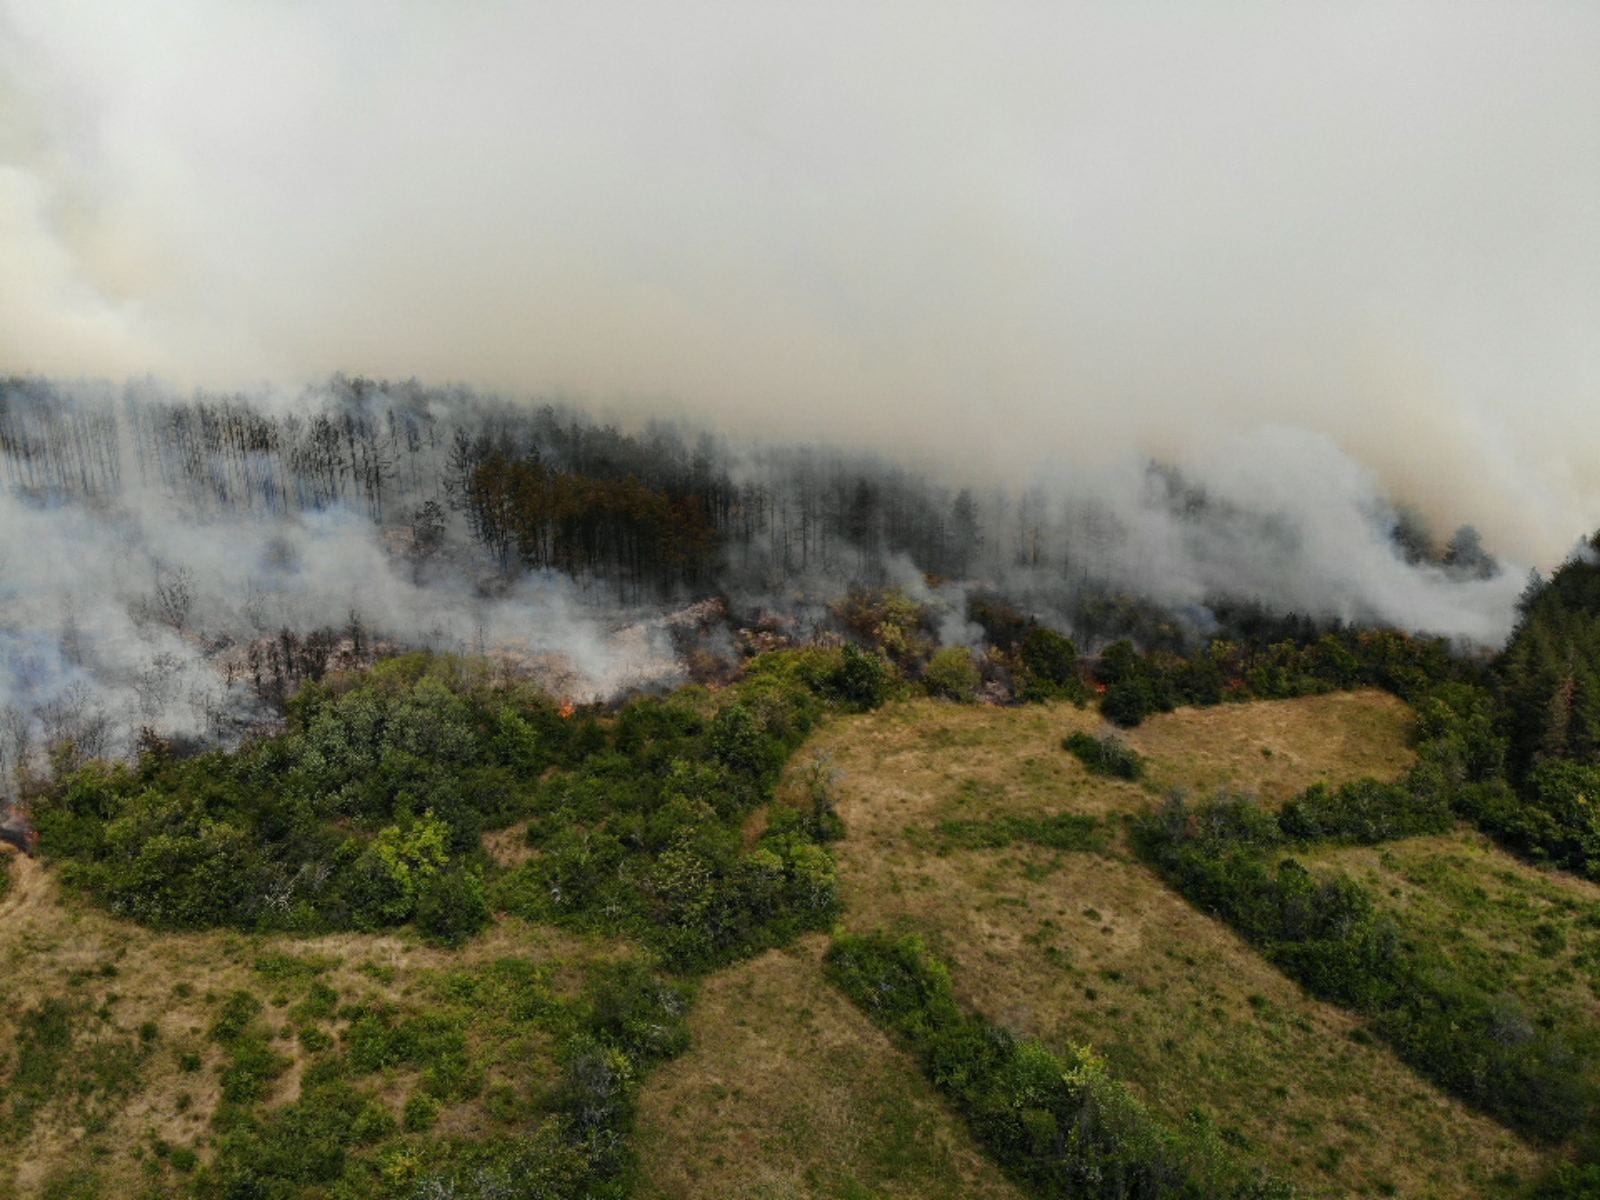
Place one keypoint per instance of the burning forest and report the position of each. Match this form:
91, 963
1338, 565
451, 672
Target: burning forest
184, 565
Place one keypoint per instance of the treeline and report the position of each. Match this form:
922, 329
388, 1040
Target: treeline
1548, 688
546, 519
649, 511
1256, 657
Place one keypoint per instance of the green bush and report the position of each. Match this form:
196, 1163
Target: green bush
1105, 755
1129, 701
452, 906
420, 1114
952, 674
1366, 811
862, 679
1049, 666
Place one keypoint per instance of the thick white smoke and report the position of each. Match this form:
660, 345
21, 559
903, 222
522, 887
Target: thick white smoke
147, 585
139, 613
1000, 235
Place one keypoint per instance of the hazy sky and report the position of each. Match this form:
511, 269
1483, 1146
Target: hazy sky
1000, 231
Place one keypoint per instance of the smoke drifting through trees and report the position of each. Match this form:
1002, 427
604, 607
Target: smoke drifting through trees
181, 564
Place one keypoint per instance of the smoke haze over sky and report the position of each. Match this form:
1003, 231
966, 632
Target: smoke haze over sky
985, 232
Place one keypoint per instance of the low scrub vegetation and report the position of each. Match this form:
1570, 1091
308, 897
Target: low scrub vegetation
560, 1134
1062, 831
1105, 755
1063, 1127
1330, 934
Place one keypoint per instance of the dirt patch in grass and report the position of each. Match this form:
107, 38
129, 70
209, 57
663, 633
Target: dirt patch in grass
509, 846
788, 1091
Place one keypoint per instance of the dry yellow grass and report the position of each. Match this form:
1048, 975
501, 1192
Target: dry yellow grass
789, 1092
1095, 948
1275, 748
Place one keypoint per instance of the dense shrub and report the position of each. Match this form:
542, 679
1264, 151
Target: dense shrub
1062, 1127
861, 680
1129, 701
367, 813
647, 839
1105, 755
952, 674
379, 784
1049, 666
452, 906
1569, 1182
1366, 811
1555, 819
1060, 831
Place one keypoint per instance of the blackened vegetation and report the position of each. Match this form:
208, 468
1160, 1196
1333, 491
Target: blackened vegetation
545, 519
14, 832
646, 512
540, 487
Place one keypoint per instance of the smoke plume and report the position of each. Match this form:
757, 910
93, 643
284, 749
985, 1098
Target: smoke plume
999, 239
178, 565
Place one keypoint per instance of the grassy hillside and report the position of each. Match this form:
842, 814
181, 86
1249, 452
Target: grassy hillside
136, 1062
1513, 929
1077, 946
114, 1076
790, 1091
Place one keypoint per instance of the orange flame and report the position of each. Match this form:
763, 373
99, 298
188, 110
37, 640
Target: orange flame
567, 709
